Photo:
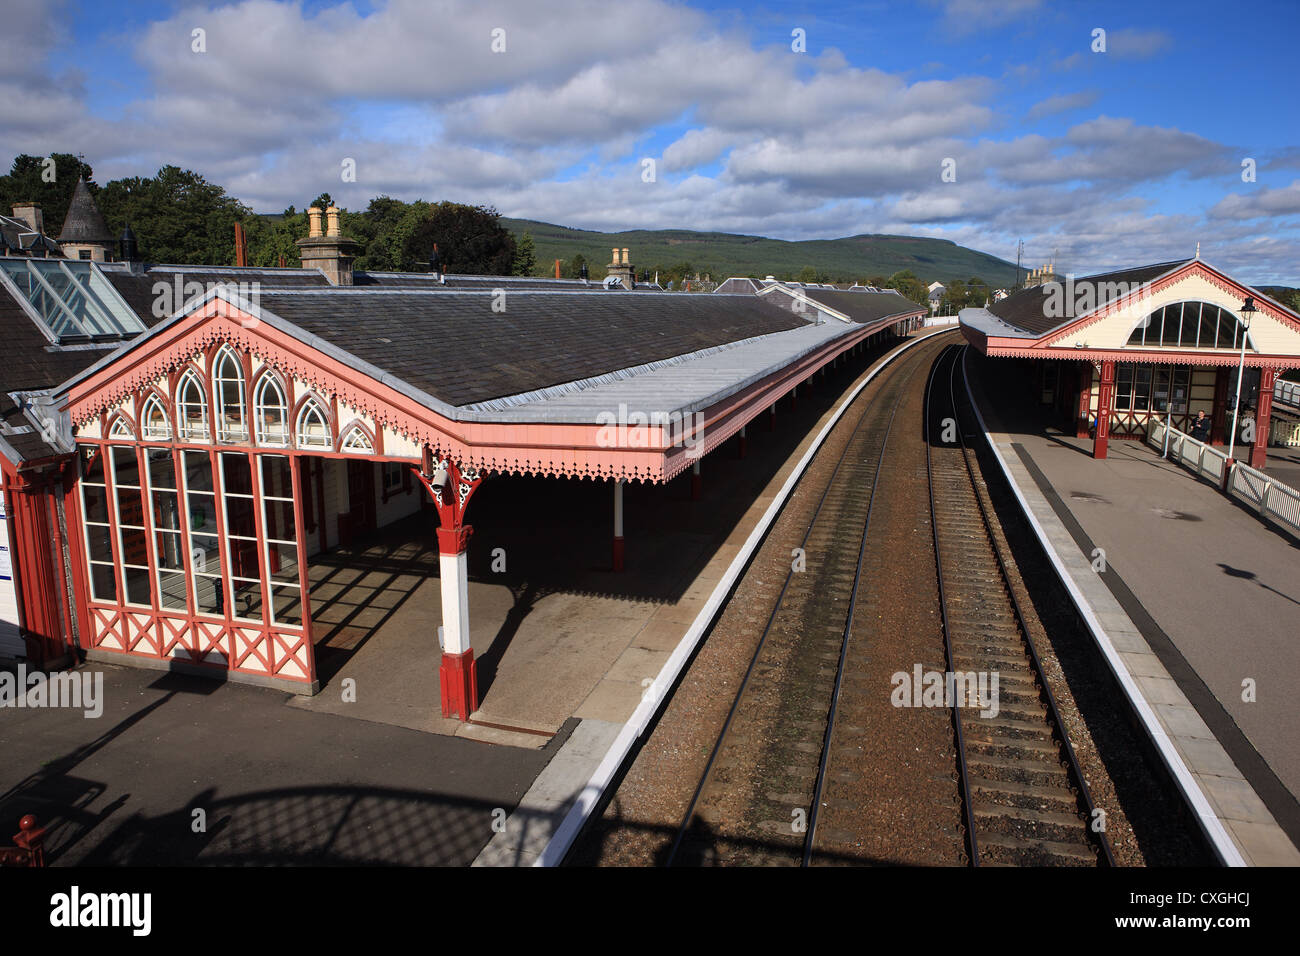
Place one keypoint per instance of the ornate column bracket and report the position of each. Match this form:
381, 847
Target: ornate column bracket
451, 486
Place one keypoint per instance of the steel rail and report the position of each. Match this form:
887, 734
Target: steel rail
776, 609
1053, 713
963, 781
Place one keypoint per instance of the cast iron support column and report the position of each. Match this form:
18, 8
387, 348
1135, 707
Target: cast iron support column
1103, 409
1263, 417
697, 482
1219, 415
618, 524
451, 487
740, 448
1084, 423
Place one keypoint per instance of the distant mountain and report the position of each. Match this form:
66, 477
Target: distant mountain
723, 254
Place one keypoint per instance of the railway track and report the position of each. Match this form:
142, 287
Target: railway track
763, 810
1025, 801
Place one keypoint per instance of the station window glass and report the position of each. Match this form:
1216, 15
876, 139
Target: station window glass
99, 534
169, 546
241, 537
281, 540
153, 421
201, 533
271, 412
356, 440
132, 537
1193, 324
228, 385
191, 409
312, 426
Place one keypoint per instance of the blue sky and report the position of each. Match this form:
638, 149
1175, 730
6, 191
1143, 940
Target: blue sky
1111, 158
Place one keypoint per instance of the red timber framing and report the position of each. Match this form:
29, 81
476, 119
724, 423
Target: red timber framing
36, 542
356, 417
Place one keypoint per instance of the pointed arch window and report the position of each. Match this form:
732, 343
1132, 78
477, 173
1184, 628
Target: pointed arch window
312, 427
228, 384
271, 412
154, 424
191, 408
121, 428
356, 440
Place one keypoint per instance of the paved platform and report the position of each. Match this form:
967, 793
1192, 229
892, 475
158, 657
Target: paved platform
275, 785
1199, 596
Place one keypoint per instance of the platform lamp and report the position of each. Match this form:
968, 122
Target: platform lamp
1247, 311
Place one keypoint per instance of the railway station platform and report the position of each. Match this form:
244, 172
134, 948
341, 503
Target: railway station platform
1200, 601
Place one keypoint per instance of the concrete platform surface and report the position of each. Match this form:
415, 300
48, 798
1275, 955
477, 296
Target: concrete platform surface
275, 785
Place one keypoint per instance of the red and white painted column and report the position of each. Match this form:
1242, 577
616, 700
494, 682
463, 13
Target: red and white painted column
458, 675
1105, 398
451, 488
618, 524
1263, 417
1084, 423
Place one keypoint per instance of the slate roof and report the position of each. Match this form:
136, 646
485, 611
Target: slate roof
1025, 310
426, 280
83, 222
137, 287
18, 238
865, 307
454, 347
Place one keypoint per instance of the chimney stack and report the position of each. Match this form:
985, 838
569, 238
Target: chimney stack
30, 213
332, 253
127, 250
622, 268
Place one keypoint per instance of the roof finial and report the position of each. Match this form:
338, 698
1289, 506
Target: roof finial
1198, 251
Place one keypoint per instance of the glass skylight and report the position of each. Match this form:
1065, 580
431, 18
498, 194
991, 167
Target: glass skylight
71, 299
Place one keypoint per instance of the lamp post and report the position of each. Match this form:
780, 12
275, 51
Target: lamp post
1247, 311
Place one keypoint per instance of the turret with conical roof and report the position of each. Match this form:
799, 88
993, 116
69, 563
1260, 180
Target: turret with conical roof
85, 235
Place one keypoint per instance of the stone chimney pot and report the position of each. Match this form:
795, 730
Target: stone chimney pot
313, 222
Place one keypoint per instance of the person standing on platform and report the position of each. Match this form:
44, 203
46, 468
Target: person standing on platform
1201, 427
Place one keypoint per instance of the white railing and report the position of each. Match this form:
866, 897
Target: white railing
941, 320
1270, 499
1285, 433
1288, 393
1204, 460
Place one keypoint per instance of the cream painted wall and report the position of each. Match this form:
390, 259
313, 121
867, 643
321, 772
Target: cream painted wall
1112, 332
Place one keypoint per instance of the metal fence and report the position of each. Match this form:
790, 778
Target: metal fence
1205, 460
1270, 499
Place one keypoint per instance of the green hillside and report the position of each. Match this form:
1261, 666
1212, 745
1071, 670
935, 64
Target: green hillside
724, 254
